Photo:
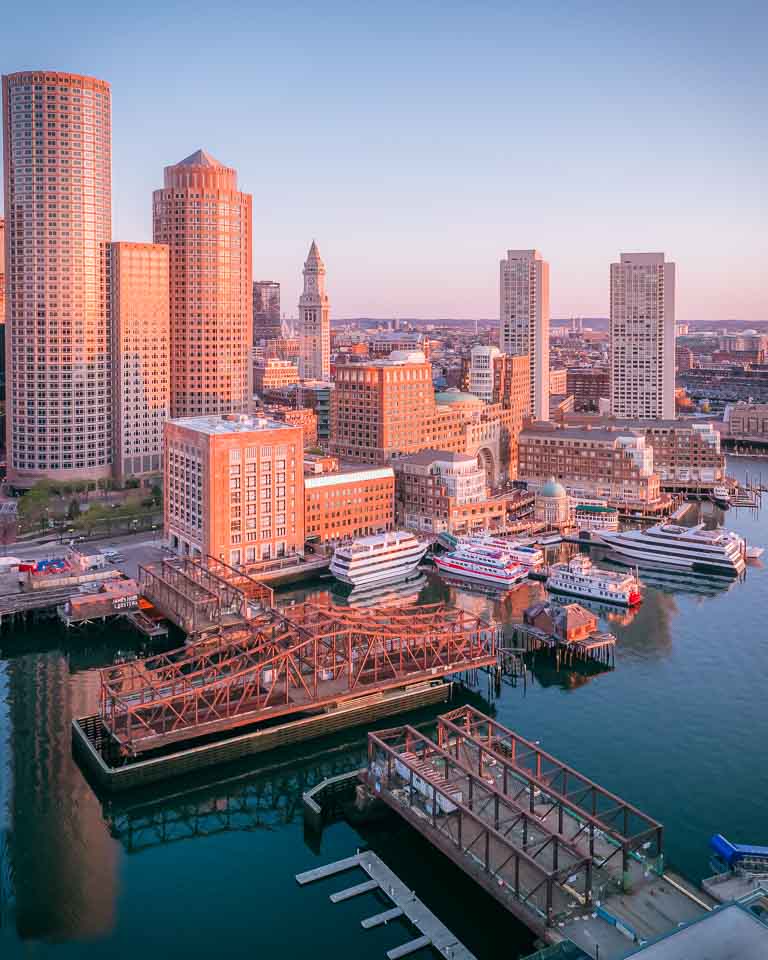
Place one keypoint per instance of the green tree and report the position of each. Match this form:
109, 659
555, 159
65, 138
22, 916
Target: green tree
73, 511
34, 505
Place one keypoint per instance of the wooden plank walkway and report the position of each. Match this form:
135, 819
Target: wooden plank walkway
407, 904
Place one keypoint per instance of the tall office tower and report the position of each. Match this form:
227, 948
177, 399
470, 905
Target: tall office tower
314, 320
524, 319
266, 310
58, 207
2, 270
642, 337
2, 310
206, 222
138, 285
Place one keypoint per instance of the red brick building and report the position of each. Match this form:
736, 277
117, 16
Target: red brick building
350, 503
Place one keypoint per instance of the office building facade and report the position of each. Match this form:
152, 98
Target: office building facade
524, 319
206, 223
642, 336
140, 327
58, 203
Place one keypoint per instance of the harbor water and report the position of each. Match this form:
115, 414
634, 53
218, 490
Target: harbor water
204, 867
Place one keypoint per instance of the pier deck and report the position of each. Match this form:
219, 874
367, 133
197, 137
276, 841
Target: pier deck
564, 855
407, 904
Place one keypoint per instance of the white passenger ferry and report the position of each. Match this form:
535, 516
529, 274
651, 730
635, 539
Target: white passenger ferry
719, 552
381, 558
516, 550
581, 578
482, 563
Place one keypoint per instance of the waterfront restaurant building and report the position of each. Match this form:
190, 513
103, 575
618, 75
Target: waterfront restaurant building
234, 488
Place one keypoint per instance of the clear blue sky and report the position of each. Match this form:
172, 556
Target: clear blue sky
418, 141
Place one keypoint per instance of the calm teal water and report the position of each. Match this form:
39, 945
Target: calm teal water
199, 869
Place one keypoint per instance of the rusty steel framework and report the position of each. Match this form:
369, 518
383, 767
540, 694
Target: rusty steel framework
539, 875
529, 775
312, 656
202, 594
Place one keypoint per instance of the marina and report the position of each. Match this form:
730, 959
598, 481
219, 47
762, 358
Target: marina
248, 811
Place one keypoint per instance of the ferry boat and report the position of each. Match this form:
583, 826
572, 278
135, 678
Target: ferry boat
516, 550
721, 497
581, 578
381, 558
482, 563
691, 548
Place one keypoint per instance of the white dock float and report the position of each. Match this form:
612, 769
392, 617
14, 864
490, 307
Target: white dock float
406, 904
407, 948
354, 891
379, 918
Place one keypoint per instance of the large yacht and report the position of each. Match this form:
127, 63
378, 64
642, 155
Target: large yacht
482, 563
581, 578
381, 558
691, 548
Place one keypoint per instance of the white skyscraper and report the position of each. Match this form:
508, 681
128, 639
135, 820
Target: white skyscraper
314, 320
643, 337
524, 319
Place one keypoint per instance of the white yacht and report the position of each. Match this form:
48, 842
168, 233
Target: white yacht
482, 563
381, 558
691, 548
580, 578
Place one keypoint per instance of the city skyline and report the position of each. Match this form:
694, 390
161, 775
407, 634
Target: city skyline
425, 172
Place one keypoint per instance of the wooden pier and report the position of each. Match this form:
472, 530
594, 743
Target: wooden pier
598, 648
432, 933
567, 857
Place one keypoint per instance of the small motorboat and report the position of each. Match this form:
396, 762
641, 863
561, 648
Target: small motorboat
754, 553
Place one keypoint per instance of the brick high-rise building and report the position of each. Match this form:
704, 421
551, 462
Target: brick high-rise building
524, 319
271, 374
385, 409
58, 208
234, 488
138, 286
206, 222
314, 320
266, 310
642, 337
2, 270
2, 310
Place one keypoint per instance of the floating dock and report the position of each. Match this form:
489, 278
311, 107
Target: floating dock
432, 933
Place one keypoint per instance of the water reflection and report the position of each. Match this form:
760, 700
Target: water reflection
63, 861
247, 800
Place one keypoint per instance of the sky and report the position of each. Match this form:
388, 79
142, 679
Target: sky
418, 141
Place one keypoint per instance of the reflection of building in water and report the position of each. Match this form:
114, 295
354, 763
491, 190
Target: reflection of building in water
650, 632
64, 861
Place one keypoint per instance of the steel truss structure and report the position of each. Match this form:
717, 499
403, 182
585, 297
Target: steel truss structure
202, 594
312, 656
535, 872
525, 773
